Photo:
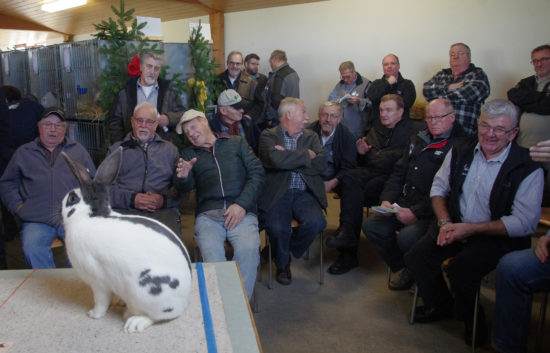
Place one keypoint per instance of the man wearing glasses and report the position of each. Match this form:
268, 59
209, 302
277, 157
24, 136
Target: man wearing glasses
486, 197
532, 96
464, 84
35, 182
144, 183
407, 191
235, 78
337, 141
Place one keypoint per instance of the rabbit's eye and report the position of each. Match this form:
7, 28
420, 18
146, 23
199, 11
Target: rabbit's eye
73, 199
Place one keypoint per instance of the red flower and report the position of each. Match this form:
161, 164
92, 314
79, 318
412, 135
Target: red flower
133, 67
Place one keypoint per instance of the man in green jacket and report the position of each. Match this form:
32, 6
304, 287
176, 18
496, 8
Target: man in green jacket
294, 161
228, 179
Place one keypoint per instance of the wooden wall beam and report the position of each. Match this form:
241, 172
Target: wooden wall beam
217, 28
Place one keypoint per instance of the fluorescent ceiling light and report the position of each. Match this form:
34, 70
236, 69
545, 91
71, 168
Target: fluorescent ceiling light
59, 5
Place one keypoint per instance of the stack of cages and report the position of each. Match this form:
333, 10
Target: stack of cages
14, 70
79, 72
44, 75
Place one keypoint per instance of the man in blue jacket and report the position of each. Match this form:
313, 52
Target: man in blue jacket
144, 182
35, 182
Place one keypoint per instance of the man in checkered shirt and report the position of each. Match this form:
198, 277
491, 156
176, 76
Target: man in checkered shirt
464, 84
294, 162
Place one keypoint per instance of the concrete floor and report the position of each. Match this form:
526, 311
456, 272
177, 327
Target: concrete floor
354, 312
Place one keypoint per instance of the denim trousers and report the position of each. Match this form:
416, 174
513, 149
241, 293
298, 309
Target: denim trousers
382, 230
36, 239
303, 207
210, 236
519, 275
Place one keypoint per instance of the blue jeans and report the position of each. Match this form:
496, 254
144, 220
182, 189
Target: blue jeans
36, 239
381, 231
519, 275
302, 206
210, 236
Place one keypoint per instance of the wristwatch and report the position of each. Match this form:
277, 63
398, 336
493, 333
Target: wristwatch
442, 222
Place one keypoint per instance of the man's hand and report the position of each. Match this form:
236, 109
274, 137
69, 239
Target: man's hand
541, 151
163, 120
541, 249
233, 216
406, 216
453, 232
311, 154
391, 80
279, 148
455, 86
362, 146
183, 168
353, 100
388, 205
148, 201
331, 184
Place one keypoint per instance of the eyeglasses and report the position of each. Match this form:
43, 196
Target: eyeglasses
539, 61
439, 118
497, 130
147, 122
57, 126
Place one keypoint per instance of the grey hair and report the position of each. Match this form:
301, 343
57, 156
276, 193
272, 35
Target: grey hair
463, 45
501, 107
288, 104
234, 52
149, 54
446, 103
146, 104
331, 104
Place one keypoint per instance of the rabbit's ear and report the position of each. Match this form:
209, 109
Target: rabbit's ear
79, 171
108, 169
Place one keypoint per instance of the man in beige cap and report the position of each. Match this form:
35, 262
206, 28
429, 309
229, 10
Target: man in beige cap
229, 119
228, 179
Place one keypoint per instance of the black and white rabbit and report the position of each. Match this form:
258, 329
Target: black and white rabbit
137, 258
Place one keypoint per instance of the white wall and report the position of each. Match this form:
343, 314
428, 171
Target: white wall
317, 37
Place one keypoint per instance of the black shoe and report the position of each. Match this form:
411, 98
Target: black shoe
342, 265
284, 276
404, 282
425, 314
342, 239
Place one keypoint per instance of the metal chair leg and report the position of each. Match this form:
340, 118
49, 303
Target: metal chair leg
321, 267
413, 309
476, 309
270, 274
541, 322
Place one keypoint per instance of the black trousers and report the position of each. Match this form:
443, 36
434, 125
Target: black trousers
471, 261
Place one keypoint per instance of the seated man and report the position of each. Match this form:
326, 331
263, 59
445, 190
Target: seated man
35, 182
409, 186
379, 151
230, 119
338, 142
294, 161
519, 275
486, 197
228, 179
144, 182
532, 96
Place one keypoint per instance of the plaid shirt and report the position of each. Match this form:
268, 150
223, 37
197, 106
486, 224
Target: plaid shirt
467, 100
291, 143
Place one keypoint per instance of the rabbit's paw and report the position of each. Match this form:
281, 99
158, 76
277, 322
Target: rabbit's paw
97, 313
137, 324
